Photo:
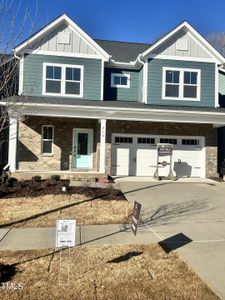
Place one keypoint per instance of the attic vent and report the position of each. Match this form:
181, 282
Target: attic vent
64, 37
182, 45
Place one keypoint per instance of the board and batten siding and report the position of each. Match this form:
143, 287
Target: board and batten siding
123, 94
194, 49
33, 72
52, 43
155, 81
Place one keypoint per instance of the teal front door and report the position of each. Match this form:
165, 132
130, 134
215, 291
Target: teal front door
82, 148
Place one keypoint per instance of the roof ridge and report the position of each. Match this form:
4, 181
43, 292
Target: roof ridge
123, 42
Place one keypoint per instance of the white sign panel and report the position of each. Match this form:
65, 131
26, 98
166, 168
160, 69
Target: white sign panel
65, 233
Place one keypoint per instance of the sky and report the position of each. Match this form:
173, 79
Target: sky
127, 20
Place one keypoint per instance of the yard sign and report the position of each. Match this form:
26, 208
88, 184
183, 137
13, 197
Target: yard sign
135, 217
65, 233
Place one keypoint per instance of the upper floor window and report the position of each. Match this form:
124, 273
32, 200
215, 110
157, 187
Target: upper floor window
181, 84
65, 80
120, 80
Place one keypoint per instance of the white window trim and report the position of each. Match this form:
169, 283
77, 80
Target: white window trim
181, 84
63, 80
42, 140
118, 85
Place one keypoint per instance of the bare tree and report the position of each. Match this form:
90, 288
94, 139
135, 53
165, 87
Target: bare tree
217, 39
13, 29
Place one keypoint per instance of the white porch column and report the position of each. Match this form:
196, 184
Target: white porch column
12, 143
102, 145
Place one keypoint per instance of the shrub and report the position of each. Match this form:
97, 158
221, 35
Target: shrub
10, 181
55, 177
36, 178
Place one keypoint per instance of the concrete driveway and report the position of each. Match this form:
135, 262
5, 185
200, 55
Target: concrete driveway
191, 216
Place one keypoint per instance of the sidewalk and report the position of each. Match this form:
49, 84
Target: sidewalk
86, 235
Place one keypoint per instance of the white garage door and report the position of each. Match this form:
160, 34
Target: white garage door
137, 155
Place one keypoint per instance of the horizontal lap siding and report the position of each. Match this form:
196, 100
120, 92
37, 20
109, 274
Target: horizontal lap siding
33, 70
124, 94
155, 71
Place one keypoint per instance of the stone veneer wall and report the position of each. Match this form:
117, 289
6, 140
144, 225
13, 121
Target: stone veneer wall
29, 143
205, 130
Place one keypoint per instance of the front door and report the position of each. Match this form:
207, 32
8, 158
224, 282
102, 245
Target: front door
82, 148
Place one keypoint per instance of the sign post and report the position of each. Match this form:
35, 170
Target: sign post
65, 238
164, 150
135, 217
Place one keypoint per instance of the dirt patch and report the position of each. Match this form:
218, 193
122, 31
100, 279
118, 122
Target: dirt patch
109, 272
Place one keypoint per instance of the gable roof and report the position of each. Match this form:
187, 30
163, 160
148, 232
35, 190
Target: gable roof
197, 36
123, 51
64, 18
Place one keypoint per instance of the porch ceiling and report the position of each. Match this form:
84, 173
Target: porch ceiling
114, 110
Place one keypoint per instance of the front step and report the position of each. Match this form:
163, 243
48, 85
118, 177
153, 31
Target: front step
76, 176
86, 179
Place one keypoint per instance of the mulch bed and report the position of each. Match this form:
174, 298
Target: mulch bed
29, 188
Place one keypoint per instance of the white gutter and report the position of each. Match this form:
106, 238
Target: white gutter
109, 108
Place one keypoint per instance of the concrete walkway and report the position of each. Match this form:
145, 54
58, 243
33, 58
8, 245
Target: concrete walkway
86, 235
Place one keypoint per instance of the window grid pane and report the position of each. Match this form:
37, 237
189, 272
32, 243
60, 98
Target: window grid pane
190, 91
190, 142
172, 76
47, 139
172, 90
168, 141
122, 139
146, 141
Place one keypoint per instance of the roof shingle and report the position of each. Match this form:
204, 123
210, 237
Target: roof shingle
123, 51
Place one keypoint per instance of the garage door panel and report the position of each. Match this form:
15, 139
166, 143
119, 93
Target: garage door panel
122, 161
187, 162
146, 162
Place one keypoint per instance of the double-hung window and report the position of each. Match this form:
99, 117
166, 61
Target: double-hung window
120, 80
181, 84
65, 80
47, 139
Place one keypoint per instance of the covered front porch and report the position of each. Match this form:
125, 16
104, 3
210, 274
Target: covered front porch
68, 146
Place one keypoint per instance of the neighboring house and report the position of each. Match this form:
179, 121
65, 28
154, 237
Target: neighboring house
101, 107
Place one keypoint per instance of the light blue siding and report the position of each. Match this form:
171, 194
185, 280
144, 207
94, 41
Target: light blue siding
155, 74
124, 94
33, 72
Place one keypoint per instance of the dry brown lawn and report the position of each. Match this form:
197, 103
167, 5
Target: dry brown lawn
106, 272
43, 211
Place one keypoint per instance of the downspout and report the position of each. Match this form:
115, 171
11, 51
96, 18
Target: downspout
144, 83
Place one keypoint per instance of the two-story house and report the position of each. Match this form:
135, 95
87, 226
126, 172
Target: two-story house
101, 107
